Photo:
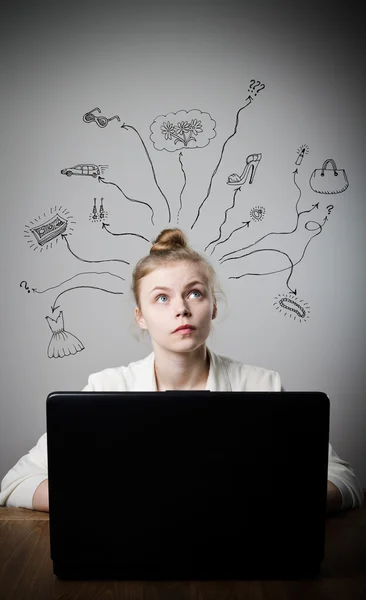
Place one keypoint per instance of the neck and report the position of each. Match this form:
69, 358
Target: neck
181, 371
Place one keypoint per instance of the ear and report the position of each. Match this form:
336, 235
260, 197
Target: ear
139, 318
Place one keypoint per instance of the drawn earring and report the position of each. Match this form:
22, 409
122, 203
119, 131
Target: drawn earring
101, 209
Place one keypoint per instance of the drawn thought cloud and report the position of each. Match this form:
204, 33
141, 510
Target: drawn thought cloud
183, 129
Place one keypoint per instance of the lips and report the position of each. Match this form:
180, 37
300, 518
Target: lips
184, 328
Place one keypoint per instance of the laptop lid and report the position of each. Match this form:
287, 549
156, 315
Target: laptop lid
187, 484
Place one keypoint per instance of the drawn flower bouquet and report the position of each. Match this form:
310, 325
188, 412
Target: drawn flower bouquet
183, 131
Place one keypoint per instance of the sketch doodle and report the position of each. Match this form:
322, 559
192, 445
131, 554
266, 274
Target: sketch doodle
102, 180
105, 225
184, 185
100, 121
329, 181
292, 307
93, 279
261, 253
257, 213
224, 221
304, 149
40, 235
273, 252
251, 165
82, 169
62, 343
310, 226
118, 260
98, 216
127, 128
26, 288
248, 101
284, 233
255, 87
183, 129
244, 224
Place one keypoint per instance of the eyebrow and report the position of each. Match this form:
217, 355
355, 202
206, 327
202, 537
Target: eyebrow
166, 289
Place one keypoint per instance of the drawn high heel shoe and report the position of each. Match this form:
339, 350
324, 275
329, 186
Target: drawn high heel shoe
252, 162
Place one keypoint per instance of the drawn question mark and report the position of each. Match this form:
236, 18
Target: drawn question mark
258, 87
330, 208
251, 83
25, 287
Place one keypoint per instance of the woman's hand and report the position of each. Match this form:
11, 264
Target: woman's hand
40, 497
334, 498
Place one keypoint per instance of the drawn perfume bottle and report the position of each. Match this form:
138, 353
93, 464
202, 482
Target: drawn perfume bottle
252, 162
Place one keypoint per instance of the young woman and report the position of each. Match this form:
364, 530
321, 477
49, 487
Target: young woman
175, 291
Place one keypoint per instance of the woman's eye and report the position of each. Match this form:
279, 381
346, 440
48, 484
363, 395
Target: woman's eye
160, 297
196, 292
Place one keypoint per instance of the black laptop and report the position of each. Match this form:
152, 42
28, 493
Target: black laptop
187, 485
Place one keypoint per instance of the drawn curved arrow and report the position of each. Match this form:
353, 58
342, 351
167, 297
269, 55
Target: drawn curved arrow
79, 287
184, 185
74, 277
64, 236
102, 179
105, 225
224, 221
124, 126
268, 250
249, 100
293, 264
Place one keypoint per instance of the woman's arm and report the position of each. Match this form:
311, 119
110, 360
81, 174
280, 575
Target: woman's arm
342, 476
334, 499
40, 497
21, 482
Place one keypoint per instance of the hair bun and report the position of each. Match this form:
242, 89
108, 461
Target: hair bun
169, 239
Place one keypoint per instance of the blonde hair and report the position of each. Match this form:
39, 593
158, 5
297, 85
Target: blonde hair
171, 246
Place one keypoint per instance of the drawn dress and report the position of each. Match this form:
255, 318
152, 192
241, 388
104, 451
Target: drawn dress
62, 343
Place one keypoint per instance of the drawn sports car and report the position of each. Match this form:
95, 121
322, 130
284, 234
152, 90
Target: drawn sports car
83, 169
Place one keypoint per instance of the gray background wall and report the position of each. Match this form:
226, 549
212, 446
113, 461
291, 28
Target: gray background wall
139, 61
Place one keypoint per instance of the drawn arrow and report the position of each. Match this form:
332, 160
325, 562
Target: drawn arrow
124, 126
310, 209
271, 232
270, 250
286, 268
224, 221
245, 224
64, 237
102, 180
105, 225
80, 287
78, 275
184, 185
249, 100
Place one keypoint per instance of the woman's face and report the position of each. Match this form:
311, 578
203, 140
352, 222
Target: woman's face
172, 296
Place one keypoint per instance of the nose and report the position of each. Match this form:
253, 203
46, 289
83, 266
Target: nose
182, 311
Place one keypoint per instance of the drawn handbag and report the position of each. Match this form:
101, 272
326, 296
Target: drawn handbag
328, 181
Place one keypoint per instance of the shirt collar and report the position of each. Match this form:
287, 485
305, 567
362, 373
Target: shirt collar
218, 378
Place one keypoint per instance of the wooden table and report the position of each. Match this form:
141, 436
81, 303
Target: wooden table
26, 570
